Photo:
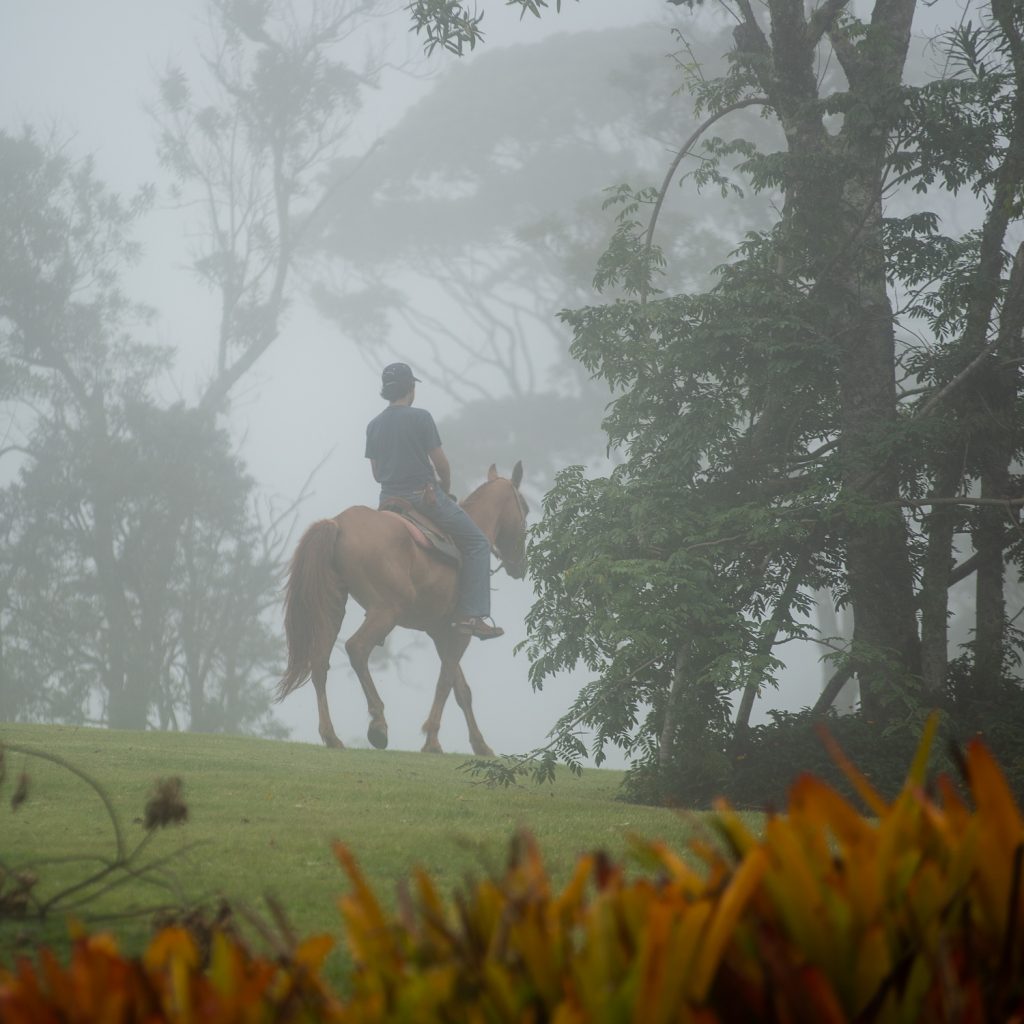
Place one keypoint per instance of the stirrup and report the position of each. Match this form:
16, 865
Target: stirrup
477, 626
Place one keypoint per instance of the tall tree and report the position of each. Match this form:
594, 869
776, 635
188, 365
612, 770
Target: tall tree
781, 432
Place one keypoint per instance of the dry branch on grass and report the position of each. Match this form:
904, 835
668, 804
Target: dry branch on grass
20, 895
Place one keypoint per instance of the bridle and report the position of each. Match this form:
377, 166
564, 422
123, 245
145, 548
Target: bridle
523, 512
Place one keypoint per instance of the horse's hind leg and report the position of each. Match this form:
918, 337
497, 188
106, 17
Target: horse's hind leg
321, 663
376, 626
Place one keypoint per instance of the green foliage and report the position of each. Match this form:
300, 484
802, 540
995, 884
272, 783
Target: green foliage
762, 449
629, 263
446, 23
690, 542
955, 127
451, 24
776, 754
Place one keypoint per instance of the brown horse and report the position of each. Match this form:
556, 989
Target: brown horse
371, 556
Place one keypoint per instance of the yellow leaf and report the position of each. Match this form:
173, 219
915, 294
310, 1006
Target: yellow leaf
864, 789
312, 952
171, 945
730, 906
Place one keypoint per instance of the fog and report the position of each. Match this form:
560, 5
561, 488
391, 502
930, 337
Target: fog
87, 74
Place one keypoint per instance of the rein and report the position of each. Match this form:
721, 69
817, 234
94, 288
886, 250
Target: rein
521, 504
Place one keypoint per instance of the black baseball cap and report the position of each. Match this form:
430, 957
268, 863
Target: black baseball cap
398, 373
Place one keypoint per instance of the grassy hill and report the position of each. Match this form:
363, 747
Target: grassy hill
262, 815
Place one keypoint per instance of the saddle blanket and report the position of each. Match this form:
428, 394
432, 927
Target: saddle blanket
425, 533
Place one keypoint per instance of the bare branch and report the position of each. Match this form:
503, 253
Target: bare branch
673, 167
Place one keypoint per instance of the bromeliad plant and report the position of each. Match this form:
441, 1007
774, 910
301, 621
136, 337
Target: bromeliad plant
170, 982
912, 912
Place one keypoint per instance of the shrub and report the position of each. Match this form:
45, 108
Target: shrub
790, 745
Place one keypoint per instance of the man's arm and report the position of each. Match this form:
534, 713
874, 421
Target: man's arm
444, 471
375, 469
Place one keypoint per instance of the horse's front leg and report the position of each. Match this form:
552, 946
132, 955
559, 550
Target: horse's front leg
464, 698
450, 645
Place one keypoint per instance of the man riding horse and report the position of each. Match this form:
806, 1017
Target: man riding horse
405, 453
397, 573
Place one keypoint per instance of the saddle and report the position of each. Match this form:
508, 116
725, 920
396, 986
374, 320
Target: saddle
424, 532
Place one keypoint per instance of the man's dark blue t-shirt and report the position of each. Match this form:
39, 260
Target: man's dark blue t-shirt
398, 441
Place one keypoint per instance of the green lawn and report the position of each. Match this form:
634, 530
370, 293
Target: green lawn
263, 814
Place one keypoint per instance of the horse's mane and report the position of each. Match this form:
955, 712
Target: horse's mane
471, 498
467, 503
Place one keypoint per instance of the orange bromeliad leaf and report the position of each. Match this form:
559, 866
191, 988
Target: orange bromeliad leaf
919, 766
825, 1008
312, 952
731, 905
863, 788
992, 796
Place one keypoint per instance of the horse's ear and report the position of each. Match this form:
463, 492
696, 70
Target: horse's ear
517, 474
492, 473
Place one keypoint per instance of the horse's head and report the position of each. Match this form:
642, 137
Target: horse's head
511, 511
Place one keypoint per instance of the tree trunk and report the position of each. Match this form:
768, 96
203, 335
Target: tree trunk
769, 636
886, 647
829, 625
935, 581
667, 739
127, 700
833, 226
994, 444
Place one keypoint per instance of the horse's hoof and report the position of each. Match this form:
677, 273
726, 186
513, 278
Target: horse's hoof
432, 747
333, 742
484, 751
378, 736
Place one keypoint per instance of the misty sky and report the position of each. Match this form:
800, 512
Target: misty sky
86, 71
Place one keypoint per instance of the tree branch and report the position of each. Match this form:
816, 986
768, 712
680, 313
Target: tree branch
823, 19
673, 167
832, 689
928, 502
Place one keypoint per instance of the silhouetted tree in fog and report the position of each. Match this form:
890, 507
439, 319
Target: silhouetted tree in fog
140, 572
92, 625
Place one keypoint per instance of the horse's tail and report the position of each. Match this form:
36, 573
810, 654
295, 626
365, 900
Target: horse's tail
314, 604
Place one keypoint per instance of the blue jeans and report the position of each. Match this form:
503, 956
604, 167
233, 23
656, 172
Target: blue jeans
475, 575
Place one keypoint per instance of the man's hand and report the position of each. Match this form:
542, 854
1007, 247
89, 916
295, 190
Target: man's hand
444, 471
